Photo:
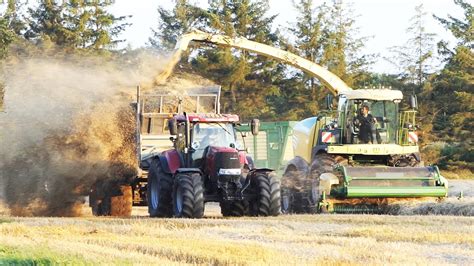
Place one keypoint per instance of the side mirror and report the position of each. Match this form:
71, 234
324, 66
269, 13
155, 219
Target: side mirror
173, 126
255, 126
413, 101
329, 101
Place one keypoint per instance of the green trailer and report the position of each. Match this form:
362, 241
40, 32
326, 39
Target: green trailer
272, 147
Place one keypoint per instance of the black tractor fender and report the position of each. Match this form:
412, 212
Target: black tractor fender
299, 164
323, 148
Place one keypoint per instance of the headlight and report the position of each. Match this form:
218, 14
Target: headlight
232, 171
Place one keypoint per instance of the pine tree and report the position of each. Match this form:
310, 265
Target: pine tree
309, 43
172, 24
326, 35
248, 80
453, 88
75, 24
342, 50
414, 58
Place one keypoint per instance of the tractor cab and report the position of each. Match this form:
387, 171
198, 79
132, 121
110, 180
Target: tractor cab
198, 134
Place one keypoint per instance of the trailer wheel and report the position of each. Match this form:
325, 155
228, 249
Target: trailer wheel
117, 206
267, 190
234, 208
95, 203
188, 196
121, 206
159, 190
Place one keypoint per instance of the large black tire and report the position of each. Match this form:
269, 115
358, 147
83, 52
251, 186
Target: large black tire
267, 190
323, 163
293, 192
95, 203
159, 191
234, 208
117, 206
188, 196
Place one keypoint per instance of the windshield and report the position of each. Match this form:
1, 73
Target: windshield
380, 115
212, 134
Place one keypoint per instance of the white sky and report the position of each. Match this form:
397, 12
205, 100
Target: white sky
385, 20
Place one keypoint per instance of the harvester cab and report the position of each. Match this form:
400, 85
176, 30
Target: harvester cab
206, 165
368, 117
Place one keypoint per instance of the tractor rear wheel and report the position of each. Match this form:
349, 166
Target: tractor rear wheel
188, 196
159, 191
234, 208
267, 190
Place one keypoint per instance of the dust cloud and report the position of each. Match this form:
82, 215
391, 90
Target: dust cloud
67, 125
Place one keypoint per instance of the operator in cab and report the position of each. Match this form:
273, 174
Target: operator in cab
367, 124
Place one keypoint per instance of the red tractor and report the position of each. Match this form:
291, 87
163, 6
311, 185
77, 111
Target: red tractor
206, 165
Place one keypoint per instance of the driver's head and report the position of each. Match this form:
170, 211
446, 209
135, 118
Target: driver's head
365, 110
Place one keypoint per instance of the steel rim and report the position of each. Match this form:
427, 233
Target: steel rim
179, 200
285, 203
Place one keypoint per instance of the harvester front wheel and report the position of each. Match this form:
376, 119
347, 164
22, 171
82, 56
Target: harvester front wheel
267, 190
323, 163
188, 196
293, 191
159, 191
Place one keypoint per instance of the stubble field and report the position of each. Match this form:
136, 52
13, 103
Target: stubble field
290, 239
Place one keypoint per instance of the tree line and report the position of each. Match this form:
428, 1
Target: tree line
254, 86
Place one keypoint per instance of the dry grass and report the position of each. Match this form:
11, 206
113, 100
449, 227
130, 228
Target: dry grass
296, 239
458, 174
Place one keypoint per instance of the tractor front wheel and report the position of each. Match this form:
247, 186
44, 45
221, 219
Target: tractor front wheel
267, 200
188, 196
234, 208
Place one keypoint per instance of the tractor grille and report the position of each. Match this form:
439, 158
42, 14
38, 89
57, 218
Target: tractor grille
227, 160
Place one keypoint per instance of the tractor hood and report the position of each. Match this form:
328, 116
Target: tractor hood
378, 95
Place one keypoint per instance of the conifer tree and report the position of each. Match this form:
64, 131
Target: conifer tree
342, 47
76, 24
414, 58
248, 80
303, 90
453, 88
174, 23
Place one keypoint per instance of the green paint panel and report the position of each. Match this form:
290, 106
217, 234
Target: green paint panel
271, 148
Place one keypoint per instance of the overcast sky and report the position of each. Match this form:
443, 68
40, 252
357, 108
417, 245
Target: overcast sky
385, 20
